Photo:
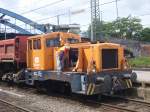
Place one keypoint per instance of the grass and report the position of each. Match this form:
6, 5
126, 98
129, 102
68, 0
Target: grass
140, 62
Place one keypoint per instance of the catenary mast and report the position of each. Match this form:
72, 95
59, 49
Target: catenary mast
95, 18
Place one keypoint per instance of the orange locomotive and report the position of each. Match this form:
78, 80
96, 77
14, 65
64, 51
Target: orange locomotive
58, 58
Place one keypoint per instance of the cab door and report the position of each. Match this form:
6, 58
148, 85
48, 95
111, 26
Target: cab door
35, 54
51, 43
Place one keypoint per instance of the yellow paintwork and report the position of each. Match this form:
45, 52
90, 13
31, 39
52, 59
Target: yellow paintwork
92, 52
45, 58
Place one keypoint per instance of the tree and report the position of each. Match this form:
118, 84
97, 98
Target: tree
103, 29
145, 34
127, 27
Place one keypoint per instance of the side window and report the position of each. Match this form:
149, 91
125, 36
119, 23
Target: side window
53, 42
57, 41
30, 44
72, 40
37, 44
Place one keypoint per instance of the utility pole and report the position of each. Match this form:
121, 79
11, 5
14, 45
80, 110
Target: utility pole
95, 18
101, 16
69, 16
117, 12
58, 20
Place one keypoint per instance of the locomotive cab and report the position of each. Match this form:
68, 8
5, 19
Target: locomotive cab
40, 52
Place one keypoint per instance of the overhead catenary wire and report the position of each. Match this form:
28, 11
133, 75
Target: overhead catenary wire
44, 6
73, 6
62, 13
50, 4
42, 19
54, 16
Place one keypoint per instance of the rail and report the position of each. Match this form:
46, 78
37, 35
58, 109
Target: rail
15, 106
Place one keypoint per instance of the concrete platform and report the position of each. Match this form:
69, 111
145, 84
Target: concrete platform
142, 76
143, 93
141, 86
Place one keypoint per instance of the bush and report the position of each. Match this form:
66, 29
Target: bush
140, 62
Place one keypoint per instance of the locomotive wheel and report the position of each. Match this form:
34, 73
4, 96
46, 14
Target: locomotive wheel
108, 83
67, 88
49, 87
63, 87
40, 86
60, 87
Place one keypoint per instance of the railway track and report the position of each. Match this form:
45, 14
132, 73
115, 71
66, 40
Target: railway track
109, 103
129, 99
113, 108
122, 106
9, 107
126, 104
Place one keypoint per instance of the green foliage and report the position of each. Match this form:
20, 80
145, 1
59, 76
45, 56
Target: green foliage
103, 28
127, 27
140, 62
145, 34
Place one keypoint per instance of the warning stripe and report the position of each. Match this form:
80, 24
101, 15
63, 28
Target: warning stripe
127, 83
91, 88
130, 82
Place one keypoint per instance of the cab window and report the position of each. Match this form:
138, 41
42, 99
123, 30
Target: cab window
37, 44
72, 40
30, 44
53, 42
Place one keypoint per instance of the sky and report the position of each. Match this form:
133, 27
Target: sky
67, 10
